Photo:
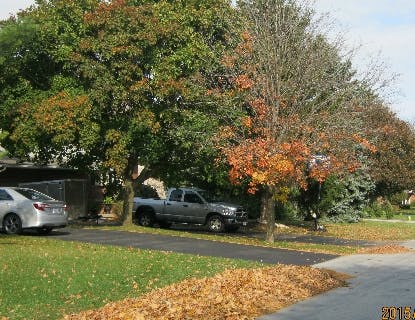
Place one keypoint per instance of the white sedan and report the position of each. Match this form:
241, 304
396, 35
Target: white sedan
23, 208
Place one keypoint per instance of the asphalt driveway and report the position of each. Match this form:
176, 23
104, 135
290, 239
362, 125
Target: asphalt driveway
191, 246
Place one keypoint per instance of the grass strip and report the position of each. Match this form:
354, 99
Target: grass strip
44, 279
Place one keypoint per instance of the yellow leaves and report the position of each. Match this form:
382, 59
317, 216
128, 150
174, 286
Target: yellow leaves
145, 118
282, 194
247, 122
233, 294
113, 135
386, 249
135, 285
259, 177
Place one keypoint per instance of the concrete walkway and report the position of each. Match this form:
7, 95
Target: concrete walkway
378, 281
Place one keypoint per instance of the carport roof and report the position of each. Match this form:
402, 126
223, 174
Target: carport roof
15, 163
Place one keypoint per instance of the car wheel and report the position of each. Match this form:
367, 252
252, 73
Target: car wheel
44, 231
215, 223
12, 224
146, 219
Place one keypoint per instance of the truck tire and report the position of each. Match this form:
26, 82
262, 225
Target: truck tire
146, 218
215, 223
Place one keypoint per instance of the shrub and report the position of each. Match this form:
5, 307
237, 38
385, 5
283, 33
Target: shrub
380, 208
343, 200
399, 198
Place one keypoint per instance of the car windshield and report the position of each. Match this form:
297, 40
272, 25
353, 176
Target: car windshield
210, 197
33, 195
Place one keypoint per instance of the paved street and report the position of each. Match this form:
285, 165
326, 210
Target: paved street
378, 281
192, 246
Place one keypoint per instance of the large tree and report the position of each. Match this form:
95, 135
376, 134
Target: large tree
301, 99
125, 87
45, 112
392, 166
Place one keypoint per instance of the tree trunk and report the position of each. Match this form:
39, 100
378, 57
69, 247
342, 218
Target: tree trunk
270, 213
128, 200
264, 203
128, 194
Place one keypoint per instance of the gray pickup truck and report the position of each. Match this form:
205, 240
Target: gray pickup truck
189, 205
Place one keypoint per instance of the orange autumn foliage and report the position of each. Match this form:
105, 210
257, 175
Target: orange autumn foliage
267, 163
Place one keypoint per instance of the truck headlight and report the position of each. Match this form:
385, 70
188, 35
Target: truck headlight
228, 211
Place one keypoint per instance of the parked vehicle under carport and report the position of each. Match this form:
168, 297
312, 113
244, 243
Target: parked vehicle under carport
24, 208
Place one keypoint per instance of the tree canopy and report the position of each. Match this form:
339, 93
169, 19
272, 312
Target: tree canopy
301, 104
119, 85
191, 90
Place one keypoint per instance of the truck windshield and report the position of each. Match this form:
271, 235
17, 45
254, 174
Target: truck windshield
209, 197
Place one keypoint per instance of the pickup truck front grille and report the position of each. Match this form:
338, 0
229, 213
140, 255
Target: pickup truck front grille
241, 213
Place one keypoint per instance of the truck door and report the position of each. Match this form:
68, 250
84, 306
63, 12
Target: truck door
173, 211
195, 209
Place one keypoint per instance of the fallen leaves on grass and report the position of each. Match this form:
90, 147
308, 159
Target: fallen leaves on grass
386, 249
372, 231
233, 294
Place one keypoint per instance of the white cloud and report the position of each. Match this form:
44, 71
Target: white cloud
8, 7
386, 26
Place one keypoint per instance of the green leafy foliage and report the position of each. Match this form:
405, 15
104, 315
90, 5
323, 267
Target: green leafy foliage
121, 83
391, 166
380, 209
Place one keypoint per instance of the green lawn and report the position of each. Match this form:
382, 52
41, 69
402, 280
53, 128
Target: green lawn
45, 279
405, 215
42, 278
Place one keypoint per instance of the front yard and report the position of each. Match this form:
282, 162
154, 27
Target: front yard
45, 279
42, 278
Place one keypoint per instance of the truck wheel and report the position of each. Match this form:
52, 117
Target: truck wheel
146, 219
215, 223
